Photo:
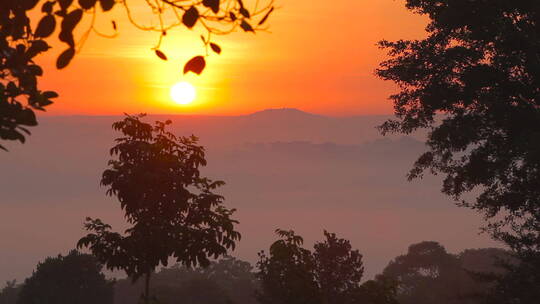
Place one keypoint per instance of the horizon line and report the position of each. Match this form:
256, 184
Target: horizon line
212, 115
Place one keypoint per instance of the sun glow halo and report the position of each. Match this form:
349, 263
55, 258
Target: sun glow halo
183, 93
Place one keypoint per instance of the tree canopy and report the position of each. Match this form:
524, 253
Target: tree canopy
427, 273
474, 82
519, 284
331, 274
75, 278
228, 280
10, 293
172, 209
20, 42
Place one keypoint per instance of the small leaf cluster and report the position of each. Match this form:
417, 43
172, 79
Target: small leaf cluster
218, 17
173, 210
20, 43
68, 14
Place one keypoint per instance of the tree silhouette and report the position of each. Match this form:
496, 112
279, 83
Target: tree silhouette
429, 274
287, 274
10, 293
331, 274
20, 43
426, 274
479, 69
519, 284
172, 209
75, 278
339, 268
228, 280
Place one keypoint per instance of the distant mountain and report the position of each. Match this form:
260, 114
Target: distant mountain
285, 113
285, 124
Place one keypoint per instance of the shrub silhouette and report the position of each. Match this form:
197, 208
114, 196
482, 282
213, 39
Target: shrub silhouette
75, 278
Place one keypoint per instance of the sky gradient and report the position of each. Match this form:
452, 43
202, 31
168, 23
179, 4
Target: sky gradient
320, 57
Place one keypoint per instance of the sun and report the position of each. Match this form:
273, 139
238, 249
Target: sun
183, 93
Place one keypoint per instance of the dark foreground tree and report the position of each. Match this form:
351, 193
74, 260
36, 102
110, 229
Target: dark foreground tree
173, 210
20, 42
479, 68
330, 274
75, 279
474, 82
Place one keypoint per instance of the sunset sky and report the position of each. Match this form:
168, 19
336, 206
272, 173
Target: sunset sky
319, 57
283, 168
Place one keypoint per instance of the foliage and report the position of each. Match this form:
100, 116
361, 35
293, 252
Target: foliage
330, 274
429, 274
339, 268
10, 293
172, 209
75, 279
479, 67
288, 274
228, 280
378, 291
19, 92
20, 43
519, 284
483, 73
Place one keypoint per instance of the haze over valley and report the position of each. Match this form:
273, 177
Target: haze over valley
283, 168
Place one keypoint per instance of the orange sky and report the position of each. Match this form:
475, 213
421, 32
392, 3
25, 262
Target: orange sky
319, 57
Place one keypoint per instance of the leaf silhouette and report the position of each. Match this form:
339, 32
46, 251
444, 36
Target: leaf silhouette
195, 65
47, 7
106, 5
216, 48
45, 26
65, 58
190, 17
87, 4
213, 4
67, 37
244, 12
37, 47
50, 94
263, 20
28, 4
71, 20
161, 55
64, 4
246, 26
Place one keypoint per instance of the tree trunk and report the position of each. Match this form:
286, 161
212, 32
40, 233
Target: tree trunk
147, 288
